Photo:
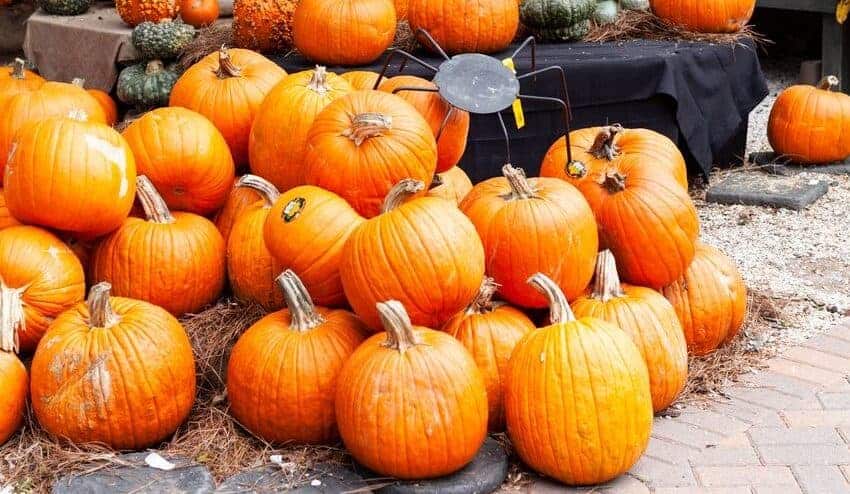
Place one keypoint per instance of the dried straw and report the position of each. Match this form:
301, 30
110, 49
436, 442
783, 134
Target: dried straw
208, 40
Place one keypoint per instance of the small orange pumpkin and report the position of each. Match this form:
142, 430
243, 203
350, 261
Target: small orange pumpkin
185, 157
110, 108
135, 12
239, 200
228, 87
414, 244
175, 261
16, 79
199, 13
279, 134
303, 348
707, 16
39, 278
114, 371
411, 372
490, 331
651, 322
363, 143
14, 384
361, 79
453, 184
6, 218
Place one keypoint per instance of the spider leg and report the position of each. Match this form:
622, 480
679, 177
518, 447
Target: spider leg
564, 92
507, 139
416, 88
433, 42
444, 123
407, 56
522, 46
567, 117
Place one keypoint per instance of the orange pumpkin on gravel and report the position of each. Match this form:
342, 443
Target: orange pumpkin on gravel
90, 169
228, 87
135, 12
453, 184
595, 368
185, 157
411, 403
39, 278
414, 244
16, 78
290, 398
363, 143
531, 225
173, 260
114, 371
707, 16
14, 384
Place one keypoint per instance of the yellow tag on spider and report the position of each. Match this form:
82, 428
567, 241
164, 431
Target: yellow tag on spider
519, 116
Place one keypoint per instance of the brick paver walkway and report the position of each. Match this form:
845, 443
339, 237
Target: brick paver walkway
785, 429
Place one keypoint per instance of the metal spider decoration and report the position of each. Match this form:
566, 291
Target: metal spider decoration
482, 84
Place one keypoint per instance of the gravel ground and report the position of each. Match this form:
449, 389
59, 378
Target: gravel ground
801, 258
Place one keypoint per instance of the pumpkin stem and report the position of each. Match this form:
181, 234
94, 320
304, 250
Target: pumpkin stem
367, 125
483, 301
154, 205
79, 82
521, 188
394, 319
401, 192
267, 190
607, 283
302, 311
226, 67
101, 314
154, 67
829, 83
559, 308
614, 181
18, 67
12, 318
604, 145
319, 80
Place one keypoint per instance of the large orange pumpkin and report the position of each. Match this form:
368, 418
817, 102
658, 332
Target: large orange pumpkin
279, 134
344, 32
50, 99
14, 384
39, 278
115, 371
239, 200
449, 125
597, 147
135, 12
110, 108
16, 78
531, 225
707, 16
185, 157
263, 25
173, 260
251, 269
423, 252
649, 319
361, 79
710, 299
89, 168
6, 218
453, 184
290, 397
645, 217
811, 124
305, 231
411, 403
363, 143
577, 397
490, 331
466, 26
228, 87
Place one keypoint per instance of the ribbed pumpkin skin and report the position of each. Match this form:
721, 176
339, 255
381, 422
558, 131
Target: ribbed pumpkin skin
554, 232
454, 185
402, 254
6, 218
329, 31
364, 174
128, 386
594, 366
48, 273
185, 157
135, 12
412, 415
710, 300
51, 99
14, 386
306, 231
16, 79
239, 200
708, 16
110, 108
642, 145
810, 125
452, 141
279, 134
251, 268
263, 25
230, 102
290, 397
360, 79
464, 26
91, 169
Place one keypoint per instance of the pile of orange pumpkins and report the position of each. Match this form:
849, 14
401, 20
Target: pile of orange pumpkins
399, 292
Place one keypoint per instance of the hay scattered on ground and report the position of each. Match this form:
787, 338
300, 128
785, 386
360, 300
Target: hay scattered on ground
639, 24
208, 40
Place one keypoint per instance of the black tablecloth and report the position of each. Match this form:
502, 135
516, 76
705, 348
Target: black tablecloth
697, 94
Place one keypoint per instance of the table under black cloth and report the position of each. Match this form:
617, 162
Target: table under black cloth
697, 94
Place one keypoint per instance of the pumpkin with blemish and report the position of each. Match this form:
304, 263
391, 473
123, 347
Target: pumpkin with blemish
114, 371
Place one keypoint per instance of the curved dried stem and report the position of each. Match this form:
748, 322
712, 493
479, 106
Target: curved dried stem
154, 205
79, 82
12, 318
829, 83
606, 285
18, 68
400, 333
604, 146
226, 67
483, 301
101, 314
266, 189
559, 308
302, 311
401, 192
521, 188
319, 80
367, 125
